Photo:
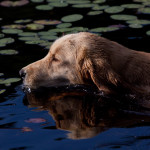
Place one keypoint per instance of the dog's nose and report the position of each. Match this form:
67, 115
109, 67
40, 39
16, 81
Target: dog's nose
22, 73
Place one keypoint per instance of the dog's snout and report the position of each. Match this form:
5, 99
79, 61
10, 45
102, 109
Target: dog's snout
22, 73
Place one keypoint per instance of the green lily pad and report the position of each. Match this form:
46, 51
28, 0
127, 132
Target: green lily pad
83, 5
139, 21
72, 18
29, 38
145, 10
114, 9
99, 1
2, 44
12, 31
47, 22
1, 35
64, 25
2, 91
141, 1
49, 38
44, 7
8, 82
123, 17
46, 44
6, 41
22, 21
34, 26
100, 7
8, 52
36, 42
78, 2
148, 33
28, 34
93, 13
58, 4
46, 33
9, 3
13, 26
1, 74
131, 6
104, 29
136, 26
37, 1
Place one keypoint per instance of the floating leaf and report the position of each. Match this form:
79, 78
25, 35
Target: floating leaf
23, 21
6, 41
58, 4
123, 17
99, 1
72, 18
100, 7
84, 5
36, 42
27, 34
2, 91
13, 26
8, 52
92, 13
30, 38
51, 38
1, 74
9, 3
2, 35
64, 25
141, 0
114, 9
35, 120
37, 1
145, 10
139, 22
148, 33
46, 33
131, 6
9, 81
34, 26
12, 31
104, 29
2, 44
78, 2
44, 7
137, 26
47, 22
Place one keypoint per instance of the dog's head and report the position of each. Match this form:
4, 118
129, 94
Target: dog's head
78, 58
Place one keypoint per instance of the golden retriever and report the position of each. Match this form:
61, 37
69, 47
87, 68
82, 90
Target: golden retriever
86, 58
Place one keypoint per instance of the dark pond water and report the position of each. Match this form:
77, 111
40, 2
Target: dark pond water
71, 118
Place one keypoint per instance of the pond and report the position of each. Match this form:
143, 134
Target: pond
69, 117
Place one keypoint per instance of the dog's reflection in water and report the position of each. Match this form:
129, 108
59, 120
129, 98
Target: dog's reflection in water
85, 115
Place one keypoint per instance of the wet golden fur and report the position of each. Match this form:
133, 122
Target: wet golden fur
85, 58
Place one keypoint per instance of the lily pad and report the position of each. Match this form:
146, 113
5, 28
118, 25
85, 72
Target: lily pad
139, 22
72, 18
104, 29
78, 2
123, 17
36, 42
64, 25
141, 1
13, 26
145, 10
58, 4
9, 3
12, 31
49, 38
44, 7
34, 26
84, 5
100, 7
47, 22
136, 26
37, 1
2, 44
1, 35
1, 74
46, 33
6, 41
28, 34
114, 9
30, 38
2, 91
23, 21
8, 52
148, 33
93, 13
99, 1
8, 82
131, 6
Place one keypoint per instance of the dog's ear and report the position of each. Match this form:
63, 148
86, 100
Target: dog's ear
100, 72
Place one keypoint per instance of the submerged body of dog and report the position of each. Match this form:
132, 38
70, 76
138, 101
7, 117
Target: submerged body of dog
85, 58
